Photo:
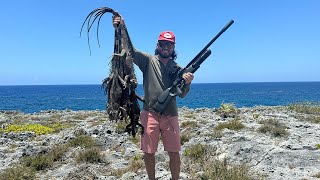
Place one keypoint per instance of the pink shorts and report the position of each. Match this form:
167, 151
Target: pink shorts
154, 124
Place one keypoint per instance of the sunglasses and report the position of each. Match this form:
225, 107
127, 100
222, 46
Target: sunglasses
164, 44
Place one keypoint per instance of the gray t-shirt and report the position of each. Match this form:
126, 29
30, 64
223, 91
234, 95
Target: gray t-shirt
157, 77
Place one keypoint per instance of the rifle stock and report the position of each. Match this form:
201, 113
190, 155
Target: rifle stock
175, 90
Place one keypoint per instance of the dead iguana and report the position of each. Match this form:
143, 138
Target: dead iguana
120, 86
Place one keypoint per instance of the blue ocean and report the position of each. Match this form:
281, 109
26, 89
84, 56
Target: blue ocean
35, 98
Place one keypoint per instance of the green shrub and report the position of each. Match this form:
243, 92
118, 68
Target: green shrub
84, 141
189, 116
217, 134
80, 116
17, 172
39, 162
31, 164
228, 110
203, 160
318, 146
255, 116
189, 124
274, 127
58, 151
91, 155
196, 152
57, 126
220, 170
309, 118
307, 108
121, 127
232, 125
135, 140
313, 119
135, 163
185, 137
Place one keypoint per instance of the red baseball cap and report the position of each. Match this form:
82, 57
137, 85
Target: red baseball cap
167, 36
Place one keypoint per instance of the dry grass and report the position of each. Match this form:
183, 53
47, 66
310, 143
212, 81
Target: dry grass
135, 163
81, 116
310, 111
38, 162
309, 118
189, 124
221, 170
135, 140
17, 172
190, 115
201, 163
196, 152
274, 127
234, 124
84, 141
45, 160
216, 134
306, 108
121, 127
30, 165
185, 137
91, 155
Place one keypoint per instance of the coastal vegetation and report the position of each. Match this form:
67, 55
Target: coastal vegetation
203, 163
20, 123
186, 130
189, 124
308, 111
222, 143
90, 155
36, 128
234, 124
84, 141
135, 140
185, 137
306, 108
273, 127
30, 165
228, 110
190, 115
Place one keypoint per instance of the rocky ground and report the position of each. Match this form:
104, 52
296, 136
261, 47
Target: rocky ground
272, 142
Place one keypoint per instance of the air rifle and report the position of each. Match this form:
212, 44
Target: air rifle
193, 66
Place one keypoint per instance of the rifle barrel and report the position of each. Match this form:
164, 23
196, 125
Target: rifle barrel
212, 40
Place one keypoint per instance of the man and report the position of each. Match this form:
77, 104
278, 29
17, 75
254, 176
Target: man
158, 74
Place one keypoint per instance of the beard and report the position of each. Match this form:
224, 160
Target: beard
164, 55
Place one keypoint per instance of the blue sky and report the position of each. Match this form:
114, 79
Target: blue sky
270, 41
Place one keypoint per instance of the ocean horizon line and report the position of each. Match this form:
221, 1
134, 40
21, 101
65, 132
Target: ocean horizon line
141, 84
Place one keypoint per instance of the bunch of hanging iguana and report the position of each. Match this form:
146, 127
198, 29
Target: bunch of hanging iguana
120, 86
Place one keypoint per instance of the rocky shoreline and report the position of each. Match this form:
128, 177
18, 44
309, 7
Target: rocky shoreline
275, 142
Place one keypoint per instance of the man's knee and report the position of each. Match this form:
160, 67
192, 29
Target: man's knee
174, 155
